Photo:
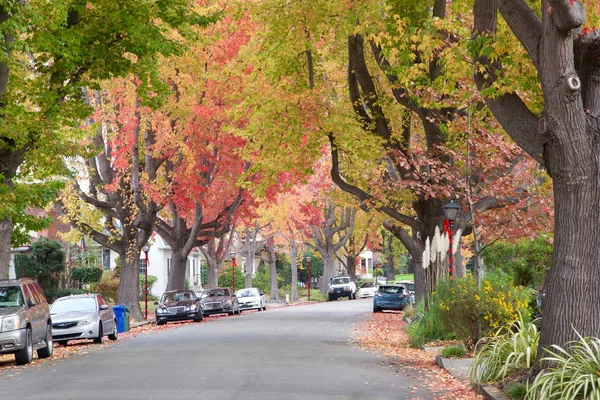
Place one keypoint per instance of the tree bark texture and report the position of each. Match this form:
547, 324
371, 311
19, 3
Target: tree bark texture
5, 246
565, 139
176, 279
294, 267
129, 285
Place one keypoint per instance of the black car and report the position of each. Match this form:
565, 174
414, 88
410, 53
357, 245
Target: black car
178, 305
220, 301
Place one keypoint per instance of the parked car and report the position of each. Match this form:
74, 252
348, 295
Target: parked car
410, 286
251, 298
178, 305
220, 301
25, 322
391, 297
341, 286
367, 289
83, 316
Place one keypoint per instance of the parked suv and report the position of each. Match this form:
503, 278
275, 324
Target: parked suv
25, 323
341, 286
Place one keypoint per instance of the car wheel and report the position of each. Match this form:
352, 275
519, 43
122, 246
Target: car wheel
329, 297
25, 355
376, 309
47, 351
114, 335
231, 311
98, 339
160, 322
265, 307
198, 317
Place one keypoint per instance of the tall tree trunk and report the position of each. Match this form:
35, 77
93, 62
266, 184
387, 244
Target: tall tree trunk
249, 266
274, 283
177, 275
212, 273
328, 271
390, 272
129, 284
5, 246
294, 267
351, 266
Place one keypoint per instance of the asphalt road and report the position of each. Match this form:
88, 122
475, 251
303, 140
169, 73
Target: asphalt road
303, 352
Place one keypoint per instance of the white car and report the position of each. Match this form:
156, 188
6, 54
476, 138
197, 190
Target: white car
341, 286
367, 289
251, 298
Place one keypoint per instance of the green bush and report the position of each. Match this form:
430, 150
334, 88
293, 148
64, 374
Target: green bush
513, 347
45, 263
466, 308
427, 326
54, 294
456, 351
225, 277
574, 372
151, 281
85, 275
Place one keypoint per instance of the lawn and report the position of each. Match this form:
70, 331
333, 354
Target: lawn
405, 277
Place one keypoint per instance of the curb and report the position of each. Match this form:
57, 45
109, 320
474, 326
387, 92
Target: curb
488, 392
141, 323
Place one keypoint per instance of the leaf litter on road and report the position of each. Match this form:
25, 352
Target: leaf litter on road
385, 333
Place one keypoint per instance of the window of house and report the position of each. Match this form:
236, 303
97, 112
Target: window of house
143, 266
106, 259
168, 267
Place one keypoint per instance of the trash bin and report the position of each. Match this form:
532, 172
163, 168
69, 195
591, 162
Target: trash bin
122, 315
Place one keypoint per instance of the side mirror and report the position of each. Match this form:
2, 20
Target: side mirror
104, 307
262, 294
156, 303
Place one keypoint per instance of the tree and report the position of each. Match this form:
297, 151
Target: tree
562, 137
216, 251
45, 263
324, 235
50, 49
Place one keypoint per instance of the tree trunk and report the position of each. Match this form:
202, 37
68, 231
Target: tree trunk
390, 272
274, 283
294, 267
351, 266
212, 273
177, 275
328, 272
249, 265
129, 285
5, 246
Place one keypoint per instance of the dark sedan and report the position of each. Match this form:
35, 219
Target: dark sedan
220, 301
178, 305
391, 297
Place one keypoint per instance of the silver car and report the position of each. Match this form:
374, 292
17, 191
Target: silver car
83, 316
251, 298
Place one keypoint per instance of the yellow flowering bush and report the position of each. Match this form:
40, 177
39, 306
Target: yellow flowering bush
463, 305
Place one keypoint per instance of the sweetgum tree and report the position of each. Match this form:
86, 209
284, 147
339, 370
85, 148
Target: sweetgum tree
562, 135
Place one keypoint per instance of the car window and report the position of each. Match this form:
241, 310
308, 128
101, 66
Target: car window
101, 300
338, 281
391, 289
75, 304
217, 292
40, 293
367, 285
29, 296
248, 293
11, 296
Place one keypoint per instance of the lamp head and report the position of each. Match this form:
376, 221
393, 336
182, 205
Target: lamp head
451, 210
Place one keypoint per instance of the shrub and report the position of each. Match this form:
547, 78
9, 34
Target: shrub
456, 351
85, 275
427, 326
151, 281
574, 372
54, 294
225, 277
46, 262
511, 348
466, 308
108, 286
517, 391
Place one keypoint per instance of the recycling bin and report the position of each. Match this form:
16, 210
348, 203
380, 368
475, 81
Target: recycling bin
122, 315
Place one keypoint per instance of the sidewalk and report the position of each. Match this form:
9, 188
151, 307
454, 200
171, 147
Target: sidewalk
459, 368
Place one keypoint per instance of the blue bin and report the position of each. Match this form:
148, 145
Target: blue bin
122, 315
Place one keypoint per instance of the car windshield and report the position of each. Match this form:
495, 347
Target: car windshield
77, 304
216, 293
339, 281
391, 289
248, 293
176, 296
367, 285
10, 296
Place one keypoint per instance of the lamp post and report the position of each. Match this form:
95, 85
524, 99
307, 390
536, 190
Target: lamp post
376, 273
232, 254
146, 249
309, 263
451, 211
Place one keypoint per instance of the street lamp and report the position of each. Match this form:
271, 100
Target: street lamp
451, 211
146, 249
233, 264
309, 262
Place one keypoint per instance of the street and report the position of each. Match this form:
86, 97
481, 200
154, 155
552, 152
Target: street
302, 352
